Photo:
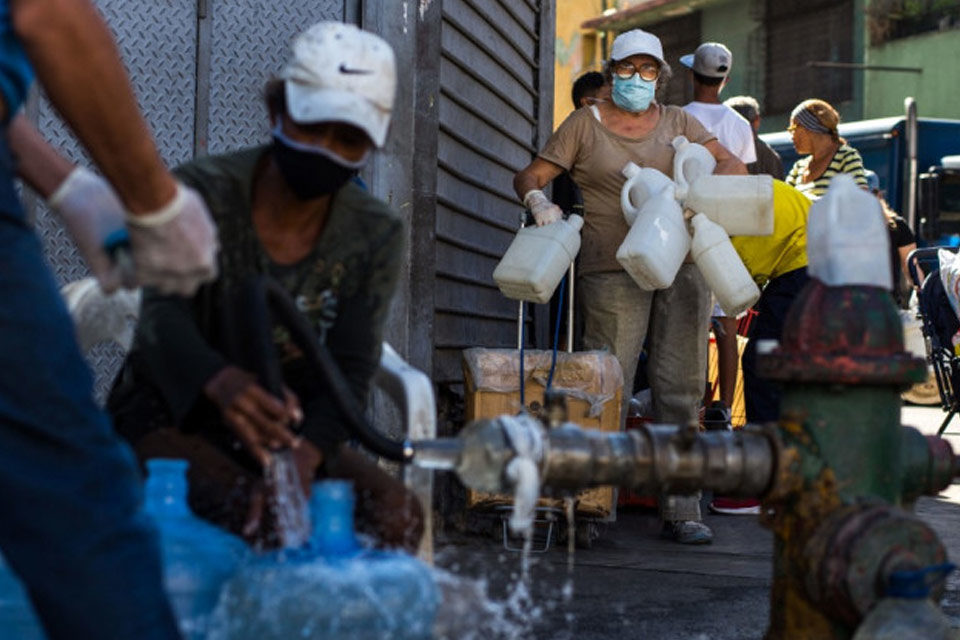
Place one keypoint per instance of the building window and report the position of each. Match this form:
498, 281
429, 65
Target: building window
804, 32
679, 36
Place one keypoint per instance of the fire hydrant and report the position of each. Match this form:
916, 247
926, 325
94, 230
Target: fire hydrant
848, 468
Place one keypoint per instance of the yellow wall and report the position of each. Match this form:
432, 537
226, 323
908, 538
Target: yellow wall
574, 53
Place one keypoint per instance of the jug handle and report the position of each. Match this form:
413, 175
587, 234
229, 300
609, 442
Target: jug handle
630, 211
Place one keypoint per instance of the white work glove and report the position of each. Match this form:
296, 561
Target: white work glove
544, 211
94, 218
175, 248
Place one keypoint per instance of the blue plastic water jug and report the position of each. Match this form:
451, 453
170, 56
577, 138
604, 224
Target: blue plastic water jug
17, 619
332, 588
197, 556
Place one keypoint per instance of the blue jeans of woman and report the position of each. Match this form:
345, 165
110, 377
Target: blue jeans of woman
71, 522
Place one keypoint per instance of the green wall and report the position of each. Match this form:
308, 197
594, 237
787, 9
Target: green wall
936, 89
732, 25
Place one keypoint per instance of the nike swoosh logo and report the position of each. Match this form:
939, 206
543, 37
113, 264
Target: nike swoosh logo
345, 69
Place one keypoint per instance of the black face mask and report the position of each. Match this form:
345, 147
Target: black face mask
309, 173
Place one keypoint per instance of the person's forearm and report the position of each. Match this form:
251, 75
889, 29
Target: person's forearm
77, 63
39, 164
731, 166
525, 182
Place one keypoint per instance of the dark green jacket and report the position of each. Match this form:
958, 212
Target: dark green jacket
344, 287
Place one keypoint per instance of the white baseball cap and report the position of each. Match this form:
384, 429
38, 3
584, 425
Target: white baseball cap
711, 59
338, 72
636, 42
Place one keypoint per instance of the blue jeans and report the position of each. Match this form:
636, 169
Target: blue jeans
71, 522
762, 396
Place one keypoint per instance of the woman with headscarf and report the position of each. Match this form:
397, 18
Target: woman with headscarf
814, 127
594, 144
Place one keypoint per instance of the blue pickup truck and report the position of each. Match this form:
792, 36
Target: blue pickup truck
918, 163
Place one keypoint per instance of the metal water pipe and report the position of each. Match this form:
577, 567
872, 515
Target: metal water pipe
834, 475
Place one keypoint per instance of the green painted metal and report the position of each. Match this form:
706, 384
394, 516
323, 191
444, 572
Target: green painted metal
853, 430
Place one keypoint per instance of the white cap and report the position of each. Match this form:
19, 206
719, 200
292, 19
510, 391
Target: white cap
339, 73
711, 59
637, 42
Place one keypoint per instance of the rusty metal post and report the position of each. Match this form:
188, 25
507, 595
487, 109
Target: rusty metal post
848, 463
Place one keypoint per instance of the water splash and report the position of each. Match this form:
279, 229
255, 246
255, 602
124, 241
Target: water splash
288, 502
468, 612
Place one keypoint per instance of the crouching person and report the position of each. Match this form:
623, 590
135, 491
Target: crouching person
289, 210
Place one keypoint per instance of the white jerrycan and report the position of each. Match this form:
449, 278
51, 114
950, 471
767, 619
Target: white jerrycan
690, 162
847, 238
656, 244
537, 260
642, 182
742, 205
721, 267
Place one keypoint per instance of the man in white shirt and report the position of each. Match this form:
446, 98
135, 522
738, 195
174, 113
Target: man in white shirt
710, 67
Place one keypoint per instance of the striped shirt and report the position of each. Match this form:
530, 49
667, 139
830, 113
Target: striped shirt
845, 160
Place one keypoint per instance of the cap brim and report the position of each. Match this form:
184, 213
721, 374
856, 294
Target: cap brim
687, 60
306, 104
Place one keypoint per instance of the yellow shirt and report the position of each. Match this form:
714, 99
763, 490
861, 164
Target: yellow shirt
767, 257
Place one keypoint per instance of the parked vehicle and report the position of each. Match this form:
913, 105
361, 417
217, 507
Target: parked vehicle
918, 163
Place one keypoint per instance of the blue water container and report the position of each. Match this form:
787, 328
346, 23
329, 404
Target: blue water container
332, 588
17, 619
198, 557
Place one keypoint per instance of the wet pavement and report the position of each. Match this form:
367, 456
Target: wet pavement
632, 584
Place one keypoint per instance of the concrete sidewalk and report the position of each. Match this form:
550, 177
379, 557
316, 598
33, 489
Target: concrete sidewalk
632, 584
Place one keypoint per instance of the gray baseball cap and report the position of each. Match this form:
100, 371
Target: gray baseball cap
711, 59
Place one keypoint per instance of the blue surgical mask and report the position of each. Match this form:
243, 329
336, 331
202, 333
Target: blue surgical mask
633, 94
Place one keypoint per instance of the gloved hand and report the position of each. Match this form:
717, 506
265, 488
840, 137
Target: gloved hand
175, 248
91, 213
544, 211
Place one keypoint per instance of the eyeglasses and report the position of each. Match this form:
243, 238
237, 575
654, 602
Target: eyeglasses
648, 71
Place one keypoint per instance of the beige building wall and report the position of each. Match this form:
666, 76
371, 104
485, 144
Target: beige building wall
577, 51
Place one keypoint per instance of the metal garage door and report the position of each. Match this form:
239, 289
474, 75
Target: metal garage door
495, 106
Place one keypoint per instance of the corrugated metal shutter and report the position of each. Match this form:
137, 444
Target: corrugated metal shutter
490, 124
801, 32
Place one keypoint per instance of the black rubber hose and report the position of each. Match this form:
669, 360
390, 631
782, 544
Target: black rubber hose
285, 312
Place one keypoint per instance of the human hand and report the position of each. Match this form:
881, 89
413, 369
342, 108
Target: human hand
175, 248
92, 214
544, 211
253, 414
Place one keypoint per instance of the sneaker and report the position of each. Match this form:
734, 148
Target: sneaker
716, 417
687, 532
735, 506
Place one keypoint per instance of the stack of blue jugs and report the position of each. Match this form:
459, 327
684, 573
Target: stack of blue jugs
332, 588
198, 557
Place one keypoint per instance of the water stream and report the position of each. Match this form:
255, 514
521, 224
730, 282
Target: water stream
288, 502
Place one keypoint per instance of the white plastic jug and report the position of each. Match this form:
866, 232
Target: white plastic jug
742, 205
537, 260
642, 182
690, 161
847, 238
721, 267
656, 244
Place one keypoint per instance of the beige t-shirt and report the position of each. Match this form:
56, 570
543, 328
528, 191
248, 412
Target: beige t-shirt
594, 156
